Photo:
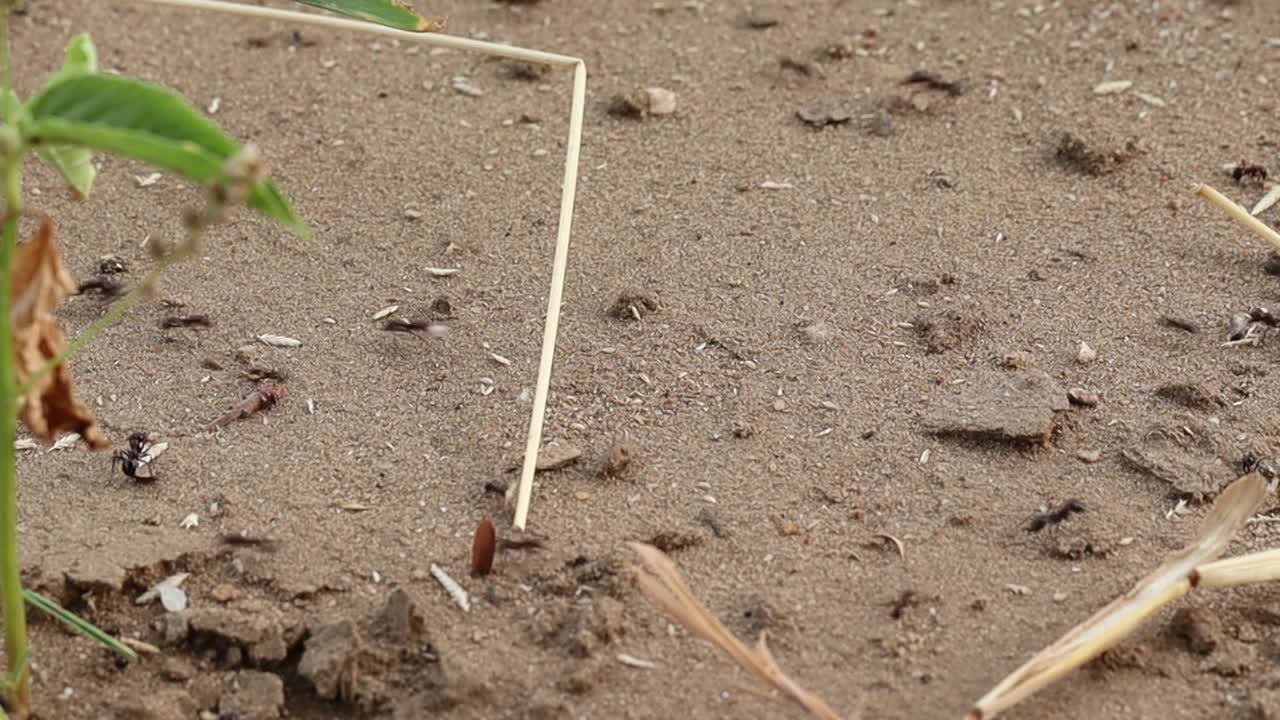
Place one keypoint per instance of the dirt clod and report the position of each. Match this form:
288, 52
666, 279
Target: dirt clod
1077, 155
331, 659
253, 695
622, 455
671, 541
1193, 396
260, 630
400, 621
1191, 456
946, 332
1197, 627
633, 305
1016, 407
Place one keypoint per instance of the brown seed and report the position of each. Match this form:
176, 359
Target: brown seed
482, 548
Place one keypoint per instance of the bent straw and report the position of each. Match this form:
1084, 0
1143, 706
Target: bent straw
1244, 570
1240, 215
661, 582
568, 192
1177, 575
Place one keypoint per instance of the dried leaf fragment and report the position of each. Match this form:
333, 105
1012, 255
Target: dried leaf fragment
38, 283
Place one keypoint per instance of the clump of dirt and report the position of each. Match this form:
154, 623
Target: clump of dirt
633, 305
1191, 456
947, 331
1198, 628
622, 457
382, 661
1019, 407
671, 541
581, 628
1193, 396
1076, 154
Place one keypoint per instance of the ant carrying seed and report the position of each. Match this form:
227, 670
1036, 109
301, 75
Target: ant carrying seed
1250, 171
1055, 516
134, 458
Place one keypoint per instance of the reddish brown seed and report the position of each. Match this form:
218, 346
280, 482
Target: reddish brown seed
482, 549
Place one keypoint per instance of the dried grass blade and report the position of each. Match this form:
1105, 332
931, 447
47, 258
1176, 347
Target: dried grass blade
1240, 215
661, 582
1175, 576
1244, 570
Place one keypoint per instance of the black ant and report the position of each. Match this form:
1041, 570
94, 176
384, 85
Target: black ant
134, 458
1244, 170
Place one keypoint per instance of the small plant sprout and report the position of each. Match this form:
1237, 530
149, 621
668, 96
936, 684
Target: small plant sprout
401, 27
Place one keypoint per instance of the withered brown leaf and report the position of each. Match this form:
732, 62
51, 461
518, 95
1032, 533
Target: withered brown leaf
38, 283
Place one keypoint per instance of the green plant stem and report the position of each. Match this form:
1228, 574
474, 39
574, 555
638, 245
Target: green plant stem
5, 75
15, 618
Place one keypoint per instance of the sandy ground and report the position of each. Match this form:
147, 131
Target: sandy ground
778, 399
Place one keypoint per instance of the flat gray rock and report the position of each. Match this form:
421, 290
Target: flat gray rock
1017, 407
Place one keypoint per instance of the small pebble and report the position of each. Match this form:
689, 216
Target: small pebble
1086, 354
1089, 456
1082, 397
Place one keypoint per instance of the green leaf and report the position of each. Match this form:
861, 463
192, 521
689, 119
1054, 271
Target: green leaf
81, 57
145, 122
78, 624
392, 13
74, 164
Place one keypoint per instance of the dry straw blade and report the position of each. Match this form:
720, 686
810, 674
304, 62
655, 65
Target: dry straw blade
1244, 570
1240, 215
1174, 578
660, 581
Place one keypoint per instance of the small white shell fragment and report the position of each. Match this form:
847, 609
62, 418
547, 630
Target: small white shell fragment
635, 662
500, 359
1266, 201
412, 214
66, 441
311, 406
328, 64
1086, 354
659, 101
214, 104
386, 311
452, 587
173, 581
25, 444
1151, 100
192, 520
1112, 87
443, 272
773, 185
1059, 596
463, 85
147, 180
173, 598
279, 341
1018, 589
